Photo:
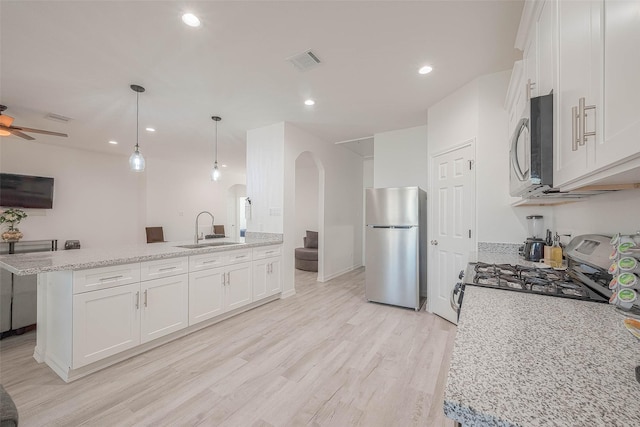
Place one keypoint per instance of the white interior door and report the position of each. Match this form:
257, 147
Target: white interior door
452, 225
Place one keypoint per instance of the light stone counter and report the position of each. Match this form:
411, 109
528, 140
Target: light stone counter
79, 259
503, 258
533, 360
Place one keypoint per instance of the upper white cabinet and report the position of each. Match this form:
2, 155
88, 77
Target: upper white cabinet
579, 77
586, 53
621, 128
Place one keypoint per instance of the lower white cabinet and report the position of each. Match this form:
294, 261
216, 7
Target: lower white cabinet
267, 276
206, 294
108, 321
164, 306
238, 286
218, 290
105, 322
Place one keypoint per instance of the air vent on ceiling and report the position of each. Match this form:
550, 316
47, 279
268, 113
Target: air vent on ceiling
304, 61
57, 117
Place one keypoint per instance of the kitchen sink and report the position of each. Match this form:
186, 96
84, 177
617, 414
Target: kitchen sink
207, 245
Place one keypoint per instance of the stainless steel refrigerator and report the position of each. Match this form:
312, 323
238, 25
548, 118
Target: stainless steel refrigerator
395, 246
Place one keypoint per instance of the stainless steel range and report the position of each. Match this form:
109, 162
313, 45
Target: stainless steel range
586, 277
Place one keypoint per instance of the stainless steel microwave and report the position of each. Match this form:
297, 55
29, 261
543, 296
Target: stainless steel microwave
531, 153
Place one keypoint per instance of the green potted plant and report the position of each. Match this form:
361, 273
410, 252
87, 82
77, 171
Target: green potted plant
12, 217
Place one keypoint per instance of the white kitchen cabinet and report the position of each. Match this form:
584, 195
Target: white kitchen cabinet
267, 276
260, 273
546, 48
621, 108
105, 322
274, 276
164, 306
206, 294
579, 57
238, 286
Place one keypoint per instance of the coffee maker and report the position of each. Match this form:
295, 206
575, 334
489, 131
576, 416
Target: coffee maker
533, 249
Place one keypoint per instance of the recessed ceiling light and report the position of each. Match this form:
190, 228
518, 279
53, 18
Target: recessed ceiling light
191, 20
309, 102
150, 129
224, 166
113, 142
425, 70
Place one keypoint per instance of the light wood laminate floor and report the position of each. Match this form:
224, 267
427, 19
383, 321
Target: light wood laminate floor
324, 357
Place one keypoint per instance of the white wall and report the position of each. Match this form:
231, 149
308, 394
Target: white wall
100, 202
306, 196
265, 157
96, 197
176, 192
367, 173
476, 112
400, 158
603, 214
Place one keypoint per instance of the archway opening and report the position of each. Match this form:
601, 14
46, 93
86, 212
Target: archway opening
308, 219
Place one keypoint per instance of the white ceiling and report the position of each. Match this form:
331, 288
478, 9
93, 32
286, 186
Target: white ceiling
78, 59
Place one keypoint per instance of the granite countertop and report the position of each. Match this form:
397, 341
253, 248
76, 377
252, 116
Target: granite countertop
79, 259
503, 258
533, 360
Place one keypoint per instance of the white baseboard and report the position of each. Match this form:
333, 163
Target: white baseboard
340, 273
287, 294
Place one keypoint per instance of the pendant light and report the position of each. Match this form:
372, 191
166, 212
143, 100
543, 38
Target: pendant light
215, 172
136, 161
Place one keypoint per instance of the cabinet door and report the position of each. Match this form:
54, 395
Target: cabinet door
164, 304
545, 35
579, 50
5, 300
621, 83
206, 294
238, 288
274, 277
530, 59
105, 322
260, 273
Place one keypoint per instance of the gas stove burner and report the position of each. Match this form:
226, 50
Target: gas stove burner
542, 281
512, 282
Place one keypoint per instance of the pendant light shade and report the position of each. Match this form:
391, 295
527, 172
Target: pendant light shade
136, 161
215, 172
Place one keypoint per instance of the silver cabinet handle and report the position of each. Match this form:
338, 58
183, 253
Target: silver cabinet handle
582, 124
575, 139
111, 278
145, 297
168, 268
137, 300
222, 279
269, 252
434, 242
270, 268
241, 256
530, 85
210, 261
228, 278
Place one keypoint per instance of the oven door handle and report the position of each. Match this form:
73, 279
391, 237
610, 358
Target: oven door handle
456, 289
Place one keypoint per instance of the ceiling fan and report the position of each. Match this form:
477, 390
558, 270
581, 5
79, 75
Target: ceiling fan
6, 129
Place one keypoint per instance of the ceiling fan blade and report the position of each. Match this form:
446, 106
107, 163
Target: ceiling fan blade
45, 132
17, 133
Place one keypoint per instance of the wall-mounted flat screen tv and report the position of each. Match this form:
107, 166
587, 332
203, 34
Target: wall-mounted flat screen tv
25, 191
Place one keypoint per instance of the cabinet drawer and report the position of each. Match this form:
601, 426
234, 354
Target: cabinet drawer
267, 252
240, 255
163, 268
207, 261
105, 277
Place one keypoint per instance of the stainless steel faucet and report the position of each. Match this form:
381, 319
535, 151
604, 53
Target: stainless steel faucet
195, 239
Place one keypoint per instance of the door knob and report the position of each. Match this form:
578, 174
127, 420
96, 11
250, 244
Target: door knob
434, 242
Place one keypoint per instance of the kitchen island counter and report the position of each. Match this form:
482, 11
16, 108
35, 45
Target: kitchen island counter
80, 259
532, 360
